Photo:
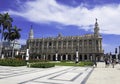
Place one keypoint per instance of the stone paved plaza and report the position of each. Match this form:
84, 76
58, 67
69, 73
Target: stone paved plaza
55, 75
61, 75
102, 75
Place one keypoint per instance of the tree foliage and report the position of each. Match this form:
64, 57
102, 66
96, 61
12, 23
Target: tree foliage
8, 32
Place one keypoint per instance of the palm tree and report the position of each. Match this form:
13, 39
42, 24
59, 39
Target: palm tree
5, 24
12, 36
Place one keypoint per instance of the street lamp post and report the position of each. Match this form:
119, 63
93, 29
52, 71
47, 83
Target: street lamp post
66, 56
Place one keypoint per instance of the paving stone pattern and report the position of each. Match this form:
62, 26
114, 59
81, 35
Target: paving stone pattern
55, 75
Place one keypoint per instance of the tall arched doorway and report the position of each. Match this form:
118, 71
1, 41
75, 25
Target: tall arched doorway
54, 58
49, 57
74, 57
80, 57
85, 57
64, 57
59, 57
69, 57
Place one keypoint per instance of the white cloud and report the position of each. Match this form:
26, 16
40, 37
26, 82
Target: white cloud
44, 11
22, 41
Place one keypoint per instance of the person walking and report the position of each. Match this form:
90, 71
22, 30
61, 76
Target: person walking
113, 62
106, 62
95, 63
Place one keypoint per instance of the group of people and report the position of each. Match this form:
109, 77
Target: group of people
110, 61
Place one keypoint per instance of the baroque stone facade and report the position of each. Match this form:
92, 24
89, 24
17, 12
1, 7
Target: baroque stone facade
86, 47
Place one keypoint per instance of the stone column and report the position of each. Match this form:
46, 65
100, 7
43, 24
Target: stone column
72, 46
52, 50
95, 46
44, 56
83, 58
66, 56
2, 57
78, 44
88, 57
56, 56
91, 57
99, 45
71, 56
51, 57
87, 47
83, 46
57, 44
42, 45
61, 57
67, 46
22, 56
61, 46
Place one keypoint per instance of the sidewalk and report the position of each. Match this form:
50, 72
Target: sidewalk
102, 75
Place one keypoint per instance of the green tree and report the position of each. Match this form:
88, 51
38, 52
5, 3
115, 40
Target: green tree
12, 35
5, 24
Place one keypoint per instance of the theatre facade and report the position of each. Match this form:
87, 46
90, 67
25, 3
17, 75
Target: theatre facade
80, 48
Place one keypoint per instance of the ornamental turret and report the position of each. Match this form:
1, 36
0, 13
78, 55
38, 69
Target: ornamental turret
96, 29
31, 34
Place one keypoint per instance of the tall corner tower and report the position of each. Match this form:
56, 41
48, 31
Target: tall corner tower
96, 29
31, 34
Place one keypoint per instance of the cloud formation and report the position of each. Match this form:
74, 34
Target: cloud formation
44, 11
22, 41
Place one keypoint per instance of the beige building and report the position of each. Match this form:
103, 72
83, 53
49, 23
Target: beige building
7, 49
79, 48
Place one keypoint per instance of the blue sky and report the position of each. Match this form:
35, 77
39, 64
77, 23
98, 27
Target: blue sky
68, 17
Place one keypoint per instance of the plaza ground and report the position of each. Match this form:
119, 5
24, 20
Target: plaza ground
60, 75
102, 75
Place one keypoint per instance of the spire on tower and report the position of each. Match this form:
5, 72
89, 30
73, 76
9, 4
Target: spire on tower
96, 19
96, 23
31, 34
96, 29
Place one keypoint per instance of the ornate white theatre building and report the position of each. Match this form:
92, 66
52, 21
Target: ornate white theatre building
80, 48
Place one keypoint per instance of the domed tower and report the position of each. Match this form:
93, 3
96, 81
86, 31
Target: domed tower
96, 29
31, 34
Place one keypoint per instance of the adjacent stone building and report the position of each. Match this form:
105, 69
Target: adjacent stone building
7, 49
80, 48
